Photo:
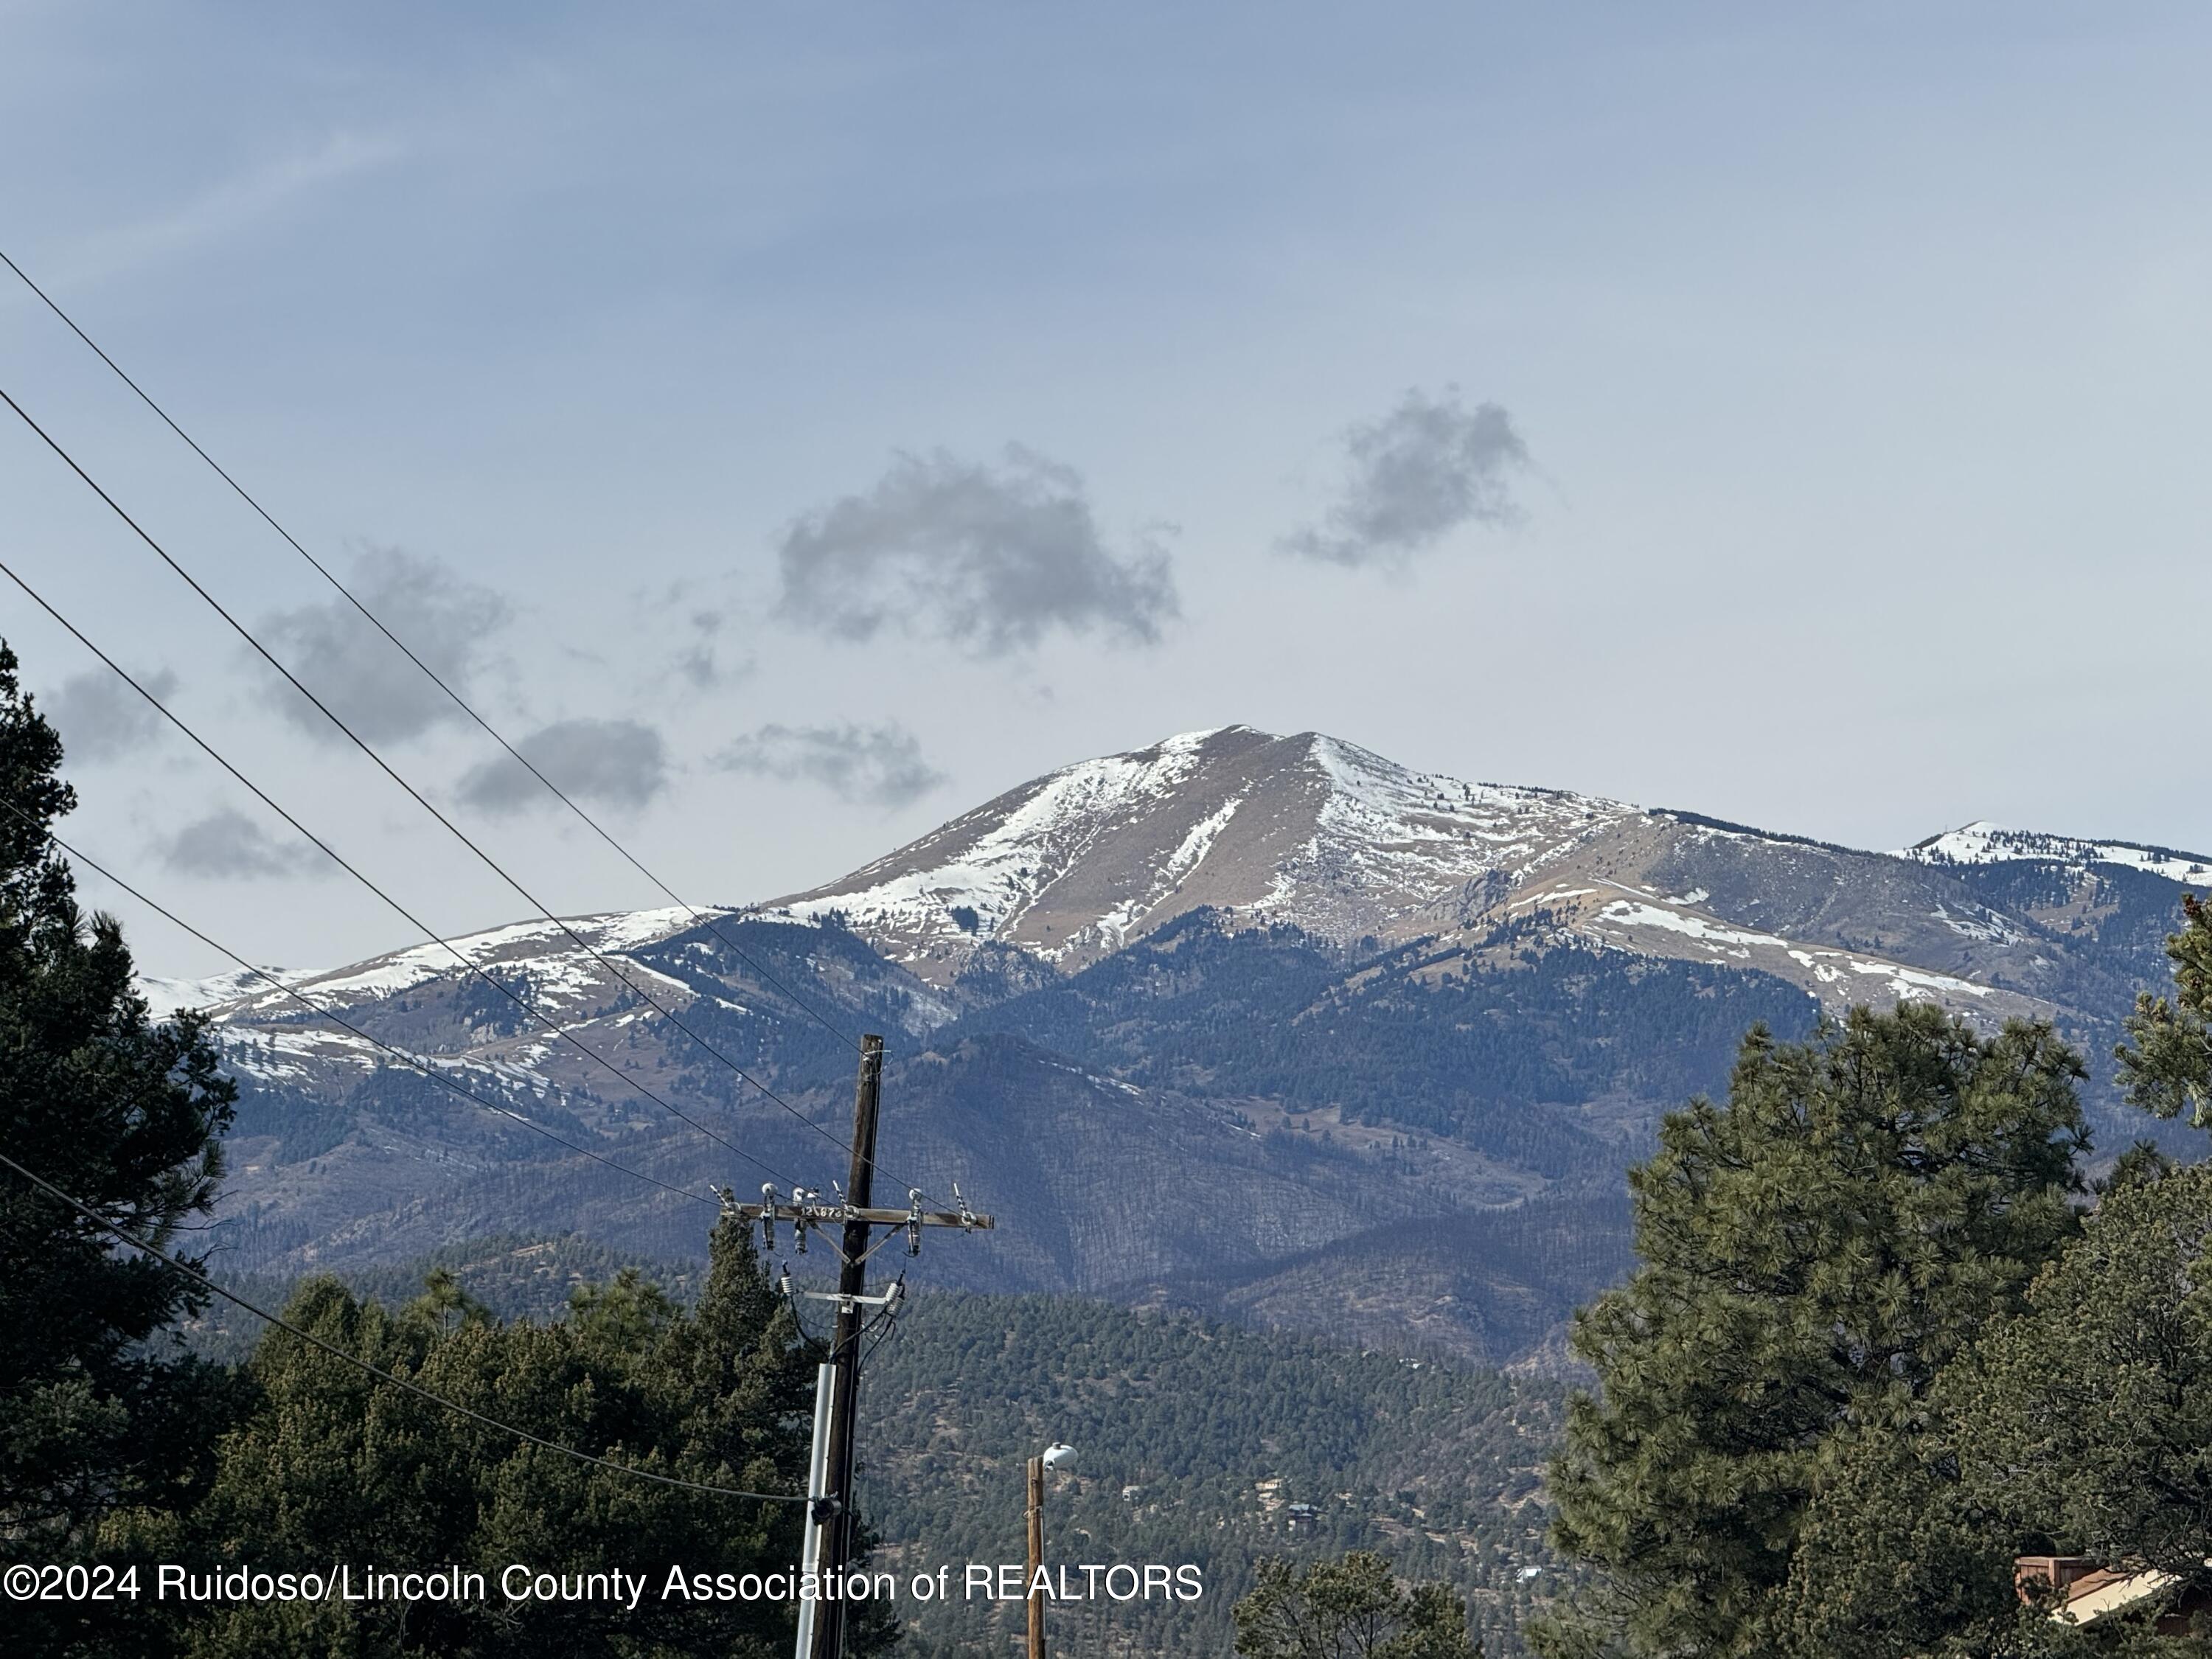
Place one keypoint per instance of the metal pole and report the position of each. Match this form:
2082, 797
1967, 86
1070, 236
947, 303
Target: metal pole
1036, 1557
818, 1474
852, 1281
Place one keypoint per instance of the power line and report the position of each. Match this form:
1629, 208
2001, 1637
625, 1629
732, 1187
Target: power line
414, 1061
597, 955
427, 671
409, 916
460, 702
377, 1371
417, 795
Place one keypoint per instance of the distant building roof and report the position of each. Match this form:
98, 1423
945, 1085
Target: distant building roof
2088, 1592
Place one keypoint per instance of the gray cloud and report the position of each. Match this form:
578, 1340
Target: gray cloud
445, 620
615, 763
101, 719
872, 765
1412, 478
989, 558
225, 844
701, 663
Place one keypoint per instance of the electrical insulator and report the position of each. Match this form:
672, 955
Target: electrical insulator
768, 1215
914, 1221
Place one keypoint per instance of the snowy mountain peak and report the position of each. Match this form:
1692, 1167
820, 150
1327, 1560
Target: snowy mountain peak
1989, 843
1308, 830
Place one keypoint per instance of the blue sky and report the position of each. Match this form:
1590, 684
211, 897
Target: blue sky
665, 362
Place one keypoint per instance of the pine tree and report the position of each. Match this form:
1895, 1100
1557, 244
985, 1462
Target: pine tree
1895, 1558
1812, 1254
2082, 1427
2169, 1065
1354, 1609
125, 1114
335, 1465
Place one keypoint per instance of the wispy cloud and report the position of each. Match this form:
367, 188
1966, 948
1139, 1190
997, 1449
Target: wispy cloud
229, 205
989, 558
1427, 468
701, 663
868, 765
622, 763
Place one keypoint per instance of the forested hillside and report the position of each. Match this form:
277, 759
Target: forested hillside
1194, 1437
1500, 1051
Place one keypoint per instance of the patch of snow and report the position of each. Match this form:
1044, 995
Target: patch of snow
1983, 842
1904, 983
634, 969
1907, 983
1736, 941
1554, 896
1827, 973
1994, 930
280, 1053
165, 995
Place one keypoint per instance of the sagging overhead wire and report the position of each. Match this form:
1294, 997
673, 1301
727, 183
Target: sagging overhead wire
378, 1372
416, 1061
559, 1031
459, 702
413, 794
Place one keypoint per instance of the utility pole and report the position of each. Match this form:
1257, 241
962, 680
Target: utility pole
1036, 1557
852, 1282
1057, 1455
822, 1628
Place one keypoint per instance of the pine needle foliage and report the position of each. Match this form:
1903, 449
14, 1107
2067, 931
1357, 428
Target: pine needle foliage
335, 1466
1353, 1608
97, 1408
1812, 1252
2167, 1066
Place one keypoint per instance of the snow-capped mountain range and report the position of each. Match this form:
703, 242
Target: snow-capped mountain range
1388, 998
1318, 833
1323, 835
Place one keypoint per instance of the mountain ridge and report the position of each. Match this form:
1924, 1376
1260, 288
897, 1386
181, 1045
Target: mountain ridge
1374, 849
1333, 838
1390, 1007
1983, 842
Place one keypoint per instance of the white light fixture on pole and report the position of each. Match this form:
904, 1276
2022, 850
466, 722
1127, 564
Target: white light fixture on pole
1058, 1455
